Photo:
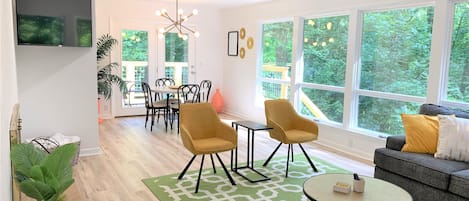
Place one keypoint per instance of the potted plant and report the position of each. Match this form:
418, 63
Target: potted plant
42, 176
106, 78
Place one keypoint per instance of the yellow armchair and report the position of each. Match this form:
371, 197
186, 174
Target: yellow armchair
289, 128
202, 132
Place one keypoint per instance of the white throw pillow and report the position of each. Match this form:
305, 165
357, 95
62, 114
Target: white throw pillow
453, 138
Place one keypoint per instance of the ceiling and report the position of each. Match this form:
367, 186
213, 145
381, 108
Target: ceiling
221, 3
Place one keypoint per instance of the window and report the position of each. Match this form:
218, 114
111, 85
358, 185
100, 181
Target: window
176, 61
324, 62
458, 77
395, 54
276, 59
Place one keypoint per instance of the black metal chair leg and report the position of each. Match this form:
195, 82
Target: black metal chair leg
187, 167
152, 119
271, 155
213, 164
146, 119
309, 160
288, 159
200, 173
158, 116
226, 171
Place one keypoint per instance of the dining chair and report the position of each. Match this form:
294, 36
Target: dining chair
187, 93
204, 93
289, 128
152, 105
202, 132
163, 82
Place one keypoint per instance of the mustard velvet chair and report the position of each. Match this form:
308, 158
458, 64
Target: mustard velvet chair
289, 128
202, 132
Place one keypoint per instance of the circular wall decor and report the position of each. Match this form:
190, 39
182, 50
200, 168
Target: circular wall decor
242, 33
242, 53
250, 42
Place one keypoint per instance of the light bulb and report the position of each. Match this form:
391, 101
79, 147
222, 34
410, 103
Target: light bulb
158, 13
315, 43
180, 12
329, 25
331, 40
161, 30
195, 12
306, 40
179, 35
184, 37
323, 44
197, 34
184, 18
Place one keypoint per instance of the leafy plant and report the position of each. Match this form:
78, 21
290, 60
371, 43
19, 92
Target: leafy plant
105, 76
41, 176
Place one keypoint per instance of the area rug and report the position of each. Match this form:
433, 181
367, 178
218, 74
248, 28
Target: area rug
217, 186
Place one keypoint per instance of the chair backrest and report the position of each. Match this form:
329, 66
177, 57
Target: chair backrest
147, 94
188, 93
204, 92
200, 119
163, 82
280, 111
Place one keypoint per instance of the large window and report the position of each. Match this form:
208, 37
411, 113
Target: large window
324, 58
458, 78
176, 61
276, 59
395, 55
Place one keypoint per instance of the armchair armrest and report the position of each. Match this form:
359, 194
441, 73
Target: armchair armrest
395, 142
187, 139
306, 124
226, 132
277, 132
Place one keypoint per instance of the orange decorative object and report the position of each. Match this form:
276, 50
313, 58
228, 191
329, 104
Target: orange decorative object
217, 101
99, 111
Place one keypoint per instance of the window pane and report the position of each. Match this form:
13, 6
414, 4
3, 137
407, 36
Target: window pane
383, 115
275, 91
325, 50
326, 105
277, 49
176, 58
134, 65
458, 80
395, 51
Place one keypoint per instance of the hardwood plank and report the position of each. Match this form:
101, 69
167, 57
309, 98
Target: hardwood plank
131, 153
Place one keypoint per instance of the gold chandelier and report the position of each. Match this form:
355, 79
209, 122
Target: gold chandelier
176, 23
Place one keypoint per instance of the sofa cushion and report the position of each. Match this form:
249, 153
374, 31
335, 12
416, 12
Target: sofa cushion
421, 167
395, 142
431, 109
421, 133
453, 140
459, 182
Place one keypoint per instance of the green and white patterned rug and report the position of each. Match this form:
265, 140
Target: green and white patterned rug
217, 186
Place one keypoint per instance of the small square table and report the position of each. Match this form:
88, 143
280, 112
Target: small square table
251, 127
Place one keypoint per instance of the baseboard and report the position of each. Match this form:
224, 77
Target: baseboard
364, 157
90, 151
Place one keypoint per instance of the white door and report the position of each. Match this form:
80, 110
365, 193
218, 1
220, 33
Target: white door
143, 57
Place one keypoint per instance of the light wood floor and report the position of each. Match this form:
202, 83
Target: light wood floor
130, 153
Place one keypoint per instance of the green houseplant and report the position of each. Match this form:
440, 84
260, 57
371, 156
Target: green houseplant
106, 78
42, 176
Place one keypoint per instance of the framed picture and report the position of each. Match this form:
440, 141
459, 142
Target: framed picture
233, 43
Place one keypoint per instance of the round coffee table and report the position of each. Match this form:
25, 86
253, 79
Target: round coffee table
320, 188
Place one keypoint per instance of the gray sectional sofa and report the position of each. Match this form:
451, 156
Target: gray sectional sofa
423, 176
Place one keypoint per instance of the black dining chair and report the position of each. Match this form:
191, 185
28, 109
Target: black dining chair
163, 82
204, 91
187, 93
152, 106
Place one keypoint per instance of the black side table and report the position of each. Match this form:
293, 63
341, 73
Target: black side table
251, 127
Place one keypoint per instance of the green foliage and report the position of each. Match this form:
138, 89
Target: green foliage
134, 45
106, 78
41, 176
175, 48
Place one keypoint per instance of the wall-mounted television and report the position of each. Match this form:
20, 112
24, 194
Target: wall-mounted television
54, 22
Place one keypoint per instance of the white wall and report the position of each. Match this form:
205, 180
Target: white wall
57, 92
8, 94
239, 75
209, 46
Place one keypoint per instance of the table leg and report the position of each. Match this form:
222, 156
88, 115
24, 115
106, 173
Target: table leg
252, 148
249, 146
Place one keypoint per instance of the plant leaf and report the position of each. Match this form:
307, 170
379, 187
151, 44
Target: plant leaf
59, 162
36, 173
25, 156
36, 189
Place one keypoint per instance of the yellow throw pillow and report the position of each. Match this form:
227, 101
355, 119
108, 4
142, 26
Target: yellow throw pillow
421, 133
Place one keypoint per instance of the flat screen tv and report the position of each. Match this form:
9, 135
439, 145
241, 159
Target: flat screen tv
54, 22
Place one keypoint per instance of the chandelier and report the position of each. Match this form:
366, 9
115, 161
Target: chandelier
176, 23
